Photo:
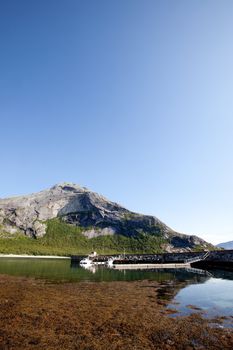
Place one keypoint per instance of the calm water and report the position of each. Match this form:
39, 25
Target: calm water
214, 297
63, 270
212, 293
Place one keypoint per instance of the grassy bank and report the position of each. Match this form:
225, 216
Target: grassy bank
64, 239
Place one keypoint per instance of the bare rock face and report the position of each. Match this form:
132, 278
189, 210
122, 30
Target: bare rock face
28, 213
79, 206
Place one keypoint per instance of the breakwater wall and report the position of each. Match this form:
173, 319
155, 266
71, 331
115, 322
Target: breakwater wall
215, 259
222, 259
145, 258
165, 258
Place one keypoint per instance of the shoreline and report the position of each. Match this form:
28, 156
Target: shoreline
23, 256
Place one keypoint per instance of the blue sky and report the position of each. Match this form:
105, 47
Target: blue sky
131, 98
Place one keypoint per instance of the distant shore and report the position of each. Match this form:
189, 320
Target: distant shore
33, 256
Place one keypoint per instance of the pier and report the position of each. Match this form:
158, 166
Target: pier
203, 260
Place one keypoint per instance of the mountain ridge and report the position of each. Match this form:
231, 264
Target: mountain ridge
95, 214
226, 245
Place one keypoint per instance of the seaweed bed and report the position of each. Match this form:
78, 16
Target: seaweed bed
36, 314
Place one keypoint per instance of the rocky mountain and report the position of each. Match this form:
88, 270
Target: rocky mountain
226, 245
81, 207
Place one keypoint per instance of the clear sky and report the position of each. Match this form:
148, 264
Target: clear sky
131, 98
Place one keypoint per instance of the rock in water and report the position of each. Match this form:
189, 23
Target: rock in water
97, 216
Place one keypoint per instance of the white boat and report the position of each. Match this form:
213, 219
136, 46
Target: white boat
110, 262
86, 262
91, 260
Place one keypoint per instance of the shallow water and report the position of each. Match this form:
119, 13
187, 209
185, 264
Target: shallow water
213, 298
181, 288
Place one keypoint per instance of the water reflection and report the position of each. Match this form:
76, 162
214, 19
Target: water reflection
63, 270
92, 268
210, 291
213, 298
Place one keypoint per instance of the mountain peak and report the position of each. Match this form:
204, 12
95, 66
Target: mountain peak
68, 186
94, 214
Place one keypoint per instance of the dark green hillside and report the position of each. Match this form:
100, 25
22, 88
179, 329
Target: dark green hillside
65, 239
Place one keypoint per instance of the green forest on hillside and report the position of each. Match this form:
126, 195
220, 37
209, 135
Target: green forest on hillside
65, 239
